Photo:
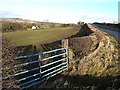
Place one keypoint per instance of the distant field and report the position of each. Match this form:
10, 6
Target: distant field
29, 37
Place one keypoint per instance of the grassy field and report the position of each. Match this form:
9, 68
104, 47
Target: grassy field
29, 37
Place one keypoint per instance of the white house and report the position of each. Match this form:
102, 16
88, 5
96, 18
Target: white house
34, 27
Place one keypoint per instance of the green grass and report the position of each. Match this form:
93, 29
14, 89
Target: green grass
29, 37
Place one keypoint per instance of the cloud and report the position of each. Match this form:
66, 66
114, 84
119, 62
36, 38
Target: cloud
53, 15
8, 14
62, 16
57, 15
98, 17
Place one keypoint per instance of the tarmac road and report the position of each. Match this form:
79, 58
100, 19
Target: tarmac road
114, 33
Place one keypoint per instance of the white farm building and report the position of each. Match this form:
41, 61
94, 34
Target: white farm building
34, 27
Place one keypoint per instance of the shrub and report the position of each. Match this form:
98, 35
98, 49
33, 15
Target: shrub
13, 26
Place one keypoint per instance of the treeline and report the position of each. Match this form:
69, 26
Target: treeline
109, 24
13, 26
8, 26
67, 25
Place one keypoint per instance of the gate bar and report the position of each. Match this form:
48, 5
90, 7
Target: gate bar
53, 71
53, 56
52, 63
54, 67
53, 51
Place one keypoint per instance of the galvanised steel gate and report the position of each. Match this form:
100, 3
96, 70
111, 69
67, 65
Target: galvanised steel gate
47, 65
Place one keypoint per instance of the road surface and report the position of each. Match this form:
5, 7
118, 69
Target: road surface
114, 33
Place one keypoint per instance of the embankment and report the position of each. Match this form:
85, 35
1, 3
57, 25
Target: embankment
96, 65
103, 60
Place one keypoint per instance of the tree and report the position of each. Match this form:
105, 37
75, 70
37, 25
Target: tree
80, 23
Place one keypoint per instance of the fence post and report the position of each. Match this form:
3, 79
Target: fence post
65, 45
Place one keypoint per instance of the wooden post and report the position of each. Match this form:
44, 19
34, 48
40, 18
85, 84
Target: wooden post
70, 51
65, 43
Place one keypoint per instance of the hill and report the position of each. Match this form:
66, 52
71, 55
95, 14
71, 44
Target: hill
15, 24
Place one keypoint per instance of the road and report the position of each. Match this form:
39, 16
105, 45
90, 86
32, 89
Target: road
111, 32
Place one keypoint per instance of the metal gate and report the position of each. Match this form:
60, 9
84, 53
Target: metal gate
47, 65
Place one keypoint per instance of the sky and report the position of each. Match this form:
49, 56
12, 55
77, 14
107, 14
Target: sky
61, 11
